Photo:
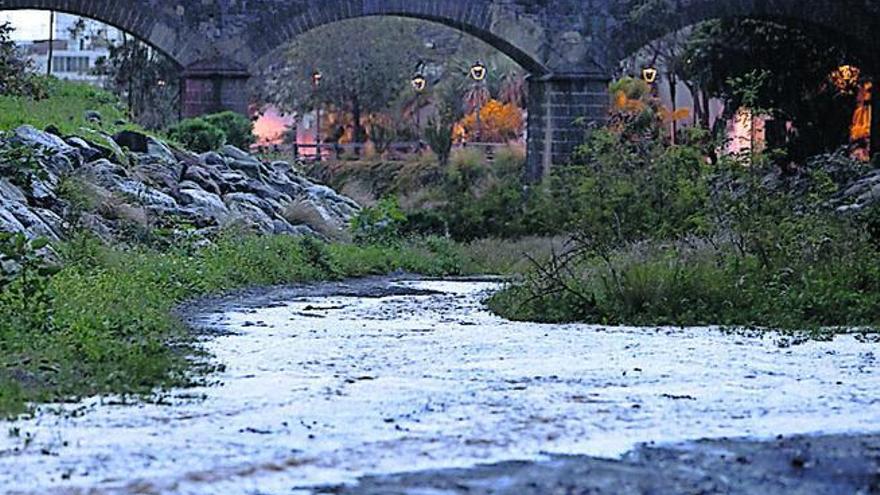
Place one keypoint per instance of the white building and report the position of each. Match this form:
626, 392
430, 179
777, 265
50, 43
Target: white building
78, 45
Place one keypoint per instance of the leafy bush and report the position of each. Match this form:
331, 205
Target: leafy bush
197, 135
24, 279
16, 74
238, 129
379, 224
658, 237
20, 163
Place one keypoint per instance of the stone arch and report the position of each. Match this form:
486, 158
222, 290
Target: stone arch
151, 21
486, 20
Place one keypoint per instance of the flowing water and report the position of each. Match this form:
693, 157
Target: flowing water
322, 389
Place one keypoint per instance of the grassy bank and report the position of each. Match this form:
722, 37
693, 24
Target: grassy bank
63, 105
700, 284
104, 323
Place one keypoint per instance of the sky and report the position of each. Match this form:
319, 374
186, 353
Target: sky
29, 24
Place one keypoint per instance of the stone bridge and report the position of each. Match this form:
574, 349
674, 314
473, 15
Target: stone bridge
570, 47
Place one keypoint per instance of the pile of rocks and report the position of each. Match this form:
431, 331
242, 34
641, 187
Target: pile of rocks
860, 194
132, 178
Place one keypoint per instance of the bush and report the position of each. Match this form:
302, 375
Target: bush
197, 135
379, 224
660, 238
238, 129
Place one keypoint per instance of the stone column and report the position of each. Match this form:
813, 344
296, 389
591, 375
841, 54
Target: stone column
210, 88
560, 107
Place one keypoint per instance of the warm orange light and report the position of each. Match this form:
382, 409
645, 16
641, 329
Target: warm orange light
846, 78
860, 130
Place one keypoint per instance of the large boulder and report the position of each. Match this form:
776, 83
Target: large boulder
11, 192
205, 204
204, 178
17, 217
55, 155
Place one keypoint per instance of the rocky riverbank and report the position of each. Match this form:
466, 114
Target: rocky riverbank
117, 186
830, 465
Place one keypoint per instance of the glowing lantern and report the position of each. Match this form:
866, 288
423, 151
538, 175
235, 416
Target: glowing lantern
479, 72
419, 83
649, 74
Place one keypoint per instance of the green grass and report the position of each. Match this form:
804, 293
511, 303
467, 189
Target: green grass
113, 328
667, 284
65, 108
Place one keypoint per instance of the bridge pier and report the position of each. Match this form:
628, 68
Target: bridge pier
208, 88
559, 108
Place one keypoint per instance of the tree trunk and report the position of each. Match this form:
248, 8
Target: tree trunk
358, 129
707, 108
673, 95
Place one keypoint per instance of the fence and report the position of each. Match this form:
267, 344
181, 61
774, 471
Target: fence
335, 151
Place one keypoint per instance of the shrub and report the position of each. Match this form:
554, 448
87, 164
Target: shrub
197, 135
379, 224
238, 129
439, 138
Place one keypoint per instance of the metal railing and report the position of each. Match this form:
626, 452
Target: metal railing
336, 151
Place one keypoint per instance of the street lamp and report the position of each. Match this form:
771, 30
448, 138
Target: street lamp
478, 73
419, 83
649, 74
316, 84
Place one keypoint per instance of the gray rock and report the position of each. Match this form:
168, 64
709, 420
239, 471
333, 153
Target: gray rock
11, 192
32, 225
142, 194
252, 216
236, 154
86, 150
205, 204
157, 172
8, 222
213, 158
61, 156
204, 178
36, 138
264, 204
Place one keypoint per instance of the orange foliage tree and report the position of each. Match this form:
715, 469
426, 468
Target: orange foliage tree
501, 122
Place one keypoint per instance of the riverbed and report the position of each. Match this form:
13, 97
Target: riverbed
325, 384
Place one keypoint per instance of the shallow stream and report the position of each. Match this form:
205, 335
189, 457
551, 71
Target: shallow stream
323, 389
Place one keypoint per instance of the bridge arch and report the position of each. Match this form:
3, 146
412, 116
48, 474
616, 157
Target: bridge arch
142, 23
484, 20
571, 47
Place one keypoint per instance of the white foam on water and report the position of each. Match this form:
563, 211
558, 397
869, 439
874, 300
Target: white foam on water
326, 389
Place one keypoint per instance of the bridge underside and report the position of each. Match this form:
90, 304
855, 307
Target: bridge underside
570, 47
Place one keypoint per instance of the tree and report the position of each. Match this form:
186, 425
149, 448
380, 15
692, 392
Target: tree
358, 77
145, 79
16, 72
798, 64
